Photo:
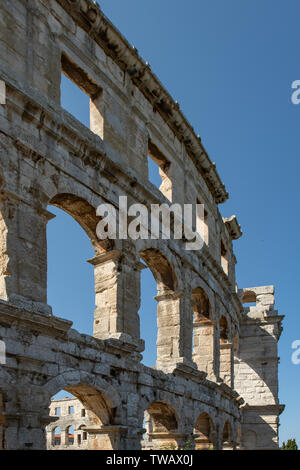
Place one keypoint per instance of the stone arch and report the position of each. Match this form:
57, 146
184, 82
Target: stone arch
81, 434
83, 211
70, 437
201, 305
197, 282
224, 329
161, 424
165, 418
85, 214
204, 432
56, 436
172, 263
95, 393
162, 270
99, 398
80, 426
170, 336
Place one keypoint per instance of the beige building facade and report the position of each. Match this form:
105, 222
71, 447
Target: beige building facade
215, 383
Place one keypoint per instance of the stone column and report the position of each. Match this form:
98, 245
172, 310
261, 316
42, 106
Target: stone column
117, 289
216, 353
23, 268
25, 430
167, 440
107, 437
203, 346
171, 344
226, 362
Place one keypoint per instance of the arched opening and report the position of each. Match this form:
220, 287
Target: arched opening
56, 436
161, 425
227, 441
148, 316
71, 241
82, 436
162, 270
159, 170
225, 352
203, 331
223, 330
70, 435
168, 307
70, 430
204, 432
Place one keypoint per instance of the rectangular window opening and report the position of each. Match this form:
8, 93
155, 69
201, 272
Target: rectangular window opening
57, 411
83, 412
71, 410
158, 171
224, 258
202, 225
81, 97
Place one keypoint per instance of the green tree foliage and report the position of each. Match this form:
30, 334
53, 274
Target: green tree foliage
290, 445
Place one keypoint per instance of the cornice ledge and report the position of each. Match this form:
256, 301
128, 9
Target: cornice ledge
90, 17
233, 227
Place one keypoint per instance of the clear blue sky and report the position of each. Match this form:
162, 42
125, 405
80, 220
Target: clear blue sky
230, 65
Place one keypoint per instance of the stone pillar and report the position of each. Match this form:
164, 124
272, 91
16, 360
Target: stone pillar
203, 346
256, 368
64, 441
24, 430
225, 362
25, 415
107, 437
172, 348
166, 440
23, 268
117, 289
216, 346
132, 440
232, 362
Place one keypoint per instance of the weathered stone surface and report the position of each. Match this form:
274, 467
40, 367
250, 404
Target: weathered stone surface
216, 379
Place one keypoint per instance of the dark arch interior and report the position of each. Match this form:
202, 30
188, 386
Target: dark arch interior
223, 329
161, 269
201, 304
